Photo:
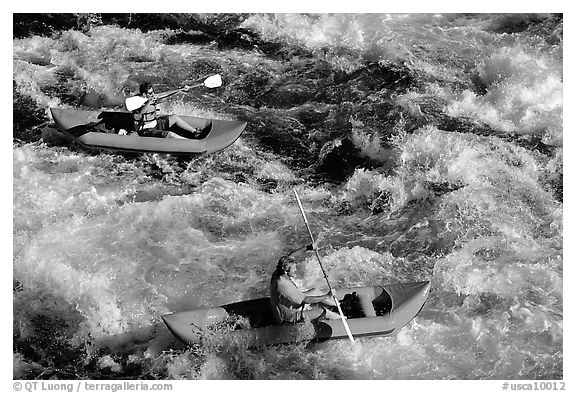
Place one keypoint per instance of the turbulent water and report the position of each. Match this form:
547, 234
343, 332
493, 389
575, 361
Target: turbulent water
424, 147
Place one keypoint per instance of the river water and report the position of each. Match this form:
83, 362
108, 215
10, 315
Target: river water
424, 147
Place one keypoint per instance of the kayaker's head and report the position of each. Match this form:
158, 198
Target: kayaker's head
146, 88
287, 265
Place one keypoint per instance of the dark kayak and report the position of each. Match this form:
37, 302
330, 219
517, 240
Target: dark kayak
99, 130
370, 311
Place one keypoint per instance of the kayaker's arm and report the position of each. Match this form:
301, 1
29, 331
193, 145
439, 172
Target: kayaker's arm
324, 299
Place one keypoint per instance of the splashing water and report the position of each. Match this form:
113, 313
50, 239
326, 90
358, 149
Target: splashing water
424, 147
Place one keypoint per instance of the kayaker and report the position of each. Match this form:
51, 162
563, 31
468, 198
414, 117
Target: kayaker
146, 119
288, 302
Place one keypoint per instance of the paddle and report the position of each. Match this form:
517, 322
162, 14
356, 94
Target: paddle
323, 271
211, 82
136, 102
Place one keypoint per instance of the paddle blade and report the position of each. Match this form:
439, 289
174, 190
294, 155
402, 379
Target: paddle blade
213, 81
136, 102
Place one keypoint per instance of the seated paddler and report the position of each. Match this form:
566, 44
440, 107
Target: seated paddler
289, 303
146, 120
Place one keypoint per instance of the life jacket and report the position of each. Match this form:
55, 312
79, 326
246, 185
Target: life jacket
286, 300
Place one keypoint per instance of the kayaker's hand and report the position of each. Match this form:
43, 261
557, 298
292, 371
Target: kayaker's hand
186, 88
330, 301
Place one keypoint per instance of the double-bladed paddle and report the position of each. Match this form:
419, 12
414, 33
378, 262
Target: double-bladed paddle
136, 102
323, 271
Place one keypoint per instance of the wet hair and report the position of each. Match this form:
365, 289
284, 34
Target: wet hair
144, 87
285, 262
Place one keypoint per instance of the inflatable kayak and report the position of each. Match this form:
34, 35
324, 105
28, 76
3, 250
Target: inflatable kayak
370, 311
99, 130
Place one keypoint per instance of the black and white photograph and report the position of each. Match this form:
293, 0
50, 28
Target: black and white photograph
336, 196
